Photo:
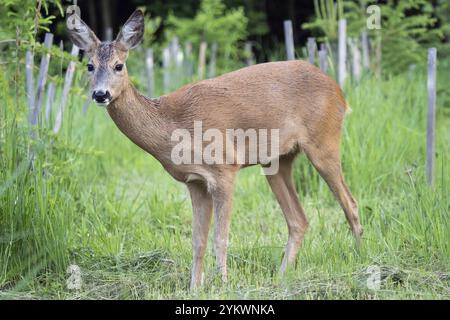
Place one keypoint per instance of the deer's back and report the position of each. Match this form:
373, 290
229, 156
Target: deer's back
293, 96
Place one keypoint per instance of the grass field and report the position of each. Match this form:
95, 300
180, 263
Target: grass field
93, 199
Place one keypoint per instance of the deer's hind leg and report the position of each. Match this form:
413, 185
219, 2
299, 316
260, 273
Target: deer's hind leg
282, 186
326, 159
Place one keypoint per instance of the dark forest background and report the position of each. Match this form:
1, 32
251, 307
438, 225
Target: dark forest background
265, 17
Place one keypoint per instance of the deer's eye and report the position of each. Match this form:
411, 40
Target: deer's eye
118, 67
90, 67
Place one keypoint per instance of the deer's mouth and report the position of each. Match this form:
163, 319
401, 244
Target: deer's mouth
102, 98
103, 103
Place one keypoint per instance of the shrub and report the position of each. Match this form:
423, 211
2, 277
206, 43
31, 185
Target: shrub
212, 23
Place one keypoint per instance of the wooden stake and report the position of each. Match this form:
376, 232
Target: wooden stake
323, 60
342, 51
43, 70
356, 59
188, 66
166, 70
29, 66
67, 83
86, 103
212, 61
49, 102
365, 50
431, 122
289, 40
311, 44
109, 34
149, 63
202, 60
249, 58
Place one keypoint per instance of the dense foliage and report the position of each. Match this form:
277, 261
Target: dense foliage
25, 18
212, 24
408, 28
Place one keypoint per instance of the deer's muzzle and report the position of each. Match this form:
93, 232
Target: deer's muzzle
101, 97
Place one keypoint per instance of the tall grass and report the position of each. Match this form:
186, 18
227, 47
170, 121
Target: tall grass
92, 198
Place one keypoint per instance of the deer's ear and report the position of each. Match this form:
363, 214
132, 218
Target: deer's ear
80, 34
132, 31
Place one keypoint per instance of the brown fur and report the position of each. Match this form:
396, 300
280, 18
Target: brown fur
295, 97
307, 108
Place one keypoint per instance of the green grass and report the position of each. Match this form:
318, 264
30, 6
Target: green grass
93, 199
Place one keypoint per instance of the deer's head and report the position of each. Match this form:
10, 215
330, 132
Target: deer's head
106, 65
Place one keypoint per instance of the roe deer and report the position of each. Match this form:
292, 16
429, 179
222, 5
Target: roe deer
295, 97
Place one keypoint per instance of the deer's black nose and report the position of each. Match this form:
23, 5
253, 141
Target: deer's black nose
101, 96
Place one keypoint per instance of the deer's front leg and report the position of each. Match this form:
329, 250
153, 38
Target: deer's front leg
223, 202
202, 211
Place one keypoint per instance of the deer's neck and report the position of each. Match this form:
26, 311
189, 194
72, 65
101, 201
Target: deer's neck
140, 119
